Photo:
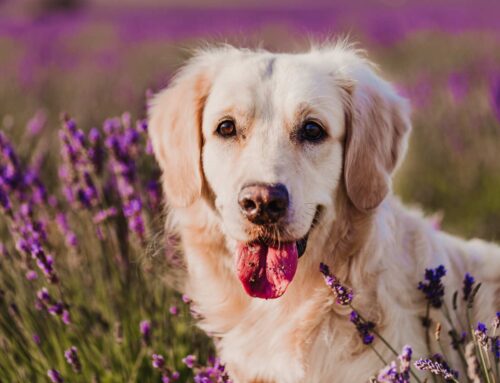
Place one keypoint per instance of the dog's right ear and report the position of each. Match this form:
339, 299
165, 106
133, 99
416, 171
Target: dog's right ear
175, 117
377, 129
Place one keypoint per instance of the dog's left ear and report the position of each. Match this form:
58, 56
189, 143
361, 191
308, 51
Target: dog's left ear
377, 127
175, 116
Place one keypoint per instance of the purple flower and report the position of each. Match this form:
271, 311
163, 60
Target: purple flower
36, 339
436, 366
145, 329
62, 223
55, 376
189, 361
186, 299
43, 295
213, 372
31, 275
96, 151
432, 287
56, 309
364, 327
36, 124
66, 317
343, 294
174, 310
71, 355
388, 374
467, 286
405, 360
75, 171
154, 193
495, 348
481, 335
5, 202
496, 322
104, 215
158, 361
133, 207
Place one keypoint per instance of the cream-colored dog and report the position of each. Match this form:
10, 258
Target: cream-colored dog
273, 163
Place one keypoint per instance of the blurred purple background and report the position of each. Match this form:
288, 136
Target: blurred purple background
97, 58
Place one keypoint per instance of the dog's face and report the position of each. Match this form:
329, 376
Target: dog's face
268, 139
270, 136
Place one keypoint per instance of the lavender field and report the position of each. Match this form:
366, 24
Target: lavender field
87, 279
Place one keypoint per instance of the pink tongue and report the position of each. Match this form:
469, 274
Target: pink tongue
266, 271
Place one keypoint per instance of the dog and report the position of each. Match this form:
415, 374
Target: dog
275, 162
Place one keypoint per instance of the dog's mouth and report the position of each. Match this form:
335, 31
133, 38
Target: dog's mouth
266, 267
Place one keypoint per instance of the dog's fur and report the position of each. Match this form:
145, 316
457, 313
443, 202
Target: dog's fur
369, 240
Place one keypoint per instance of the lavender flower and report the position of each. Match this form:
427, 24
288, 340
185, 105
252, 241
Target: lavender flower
405, 361
71, 355
432, 287
69, 235
437, 367
31, 275
495, 348
363, 327
158, 361
103, 215
214, 372
388, 374
145, 329
36, 124
189, 361
122, 142
496, 322
36, 339
467, 286
169, 377
53, 307
96, 151
43, 295
343, 294
66, 317
79, 187
174, 310
153, 189
481, 335
55, 376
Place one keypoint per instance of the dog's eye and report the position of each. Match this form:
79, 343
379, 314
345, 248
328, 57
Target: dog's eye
226, 129
311, 131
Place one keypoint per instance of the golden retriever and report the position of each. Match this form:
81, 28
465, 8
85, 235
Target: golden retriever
275, 162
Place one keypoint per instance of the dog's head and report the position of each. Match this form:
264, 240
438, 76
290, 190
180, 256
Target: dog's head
267, 139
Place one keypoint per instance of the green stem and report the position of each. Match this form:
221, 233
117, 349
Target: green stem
387, 344
428, 335
384, 362
460, 352
484, 365
477, 347
135, 367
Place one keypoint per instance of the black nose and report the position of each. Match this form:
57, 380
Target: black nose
263, 203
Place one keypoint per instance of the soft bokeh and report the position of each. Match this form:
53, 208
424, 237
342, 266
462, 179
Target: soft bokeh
100, 58
97, 59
